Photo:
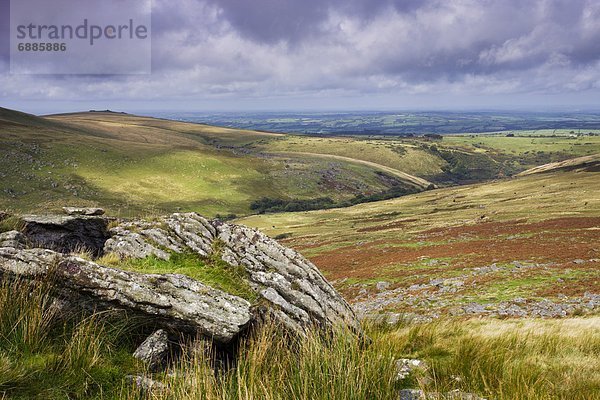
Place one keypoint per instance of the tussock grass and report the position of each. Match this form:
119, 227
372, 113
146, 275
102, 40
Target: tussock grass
11, 223
48, 354
275, 366
495, 359
532, 359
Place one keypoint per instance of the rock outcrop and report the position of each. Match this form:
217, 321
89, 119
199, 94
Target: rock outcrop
154, 350
66, 233
175, 302
12, 239
290, 289
90, 211
296, 293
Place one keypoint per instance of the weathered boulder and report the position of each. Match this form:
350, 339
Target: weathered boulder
65, 233
154, 350
90, 211
12, 239
295, 292
290, 289
174, 302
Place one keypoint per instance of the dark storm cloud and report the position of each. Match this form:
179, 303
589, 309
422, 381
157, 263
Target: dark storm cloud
272, 21
430, 38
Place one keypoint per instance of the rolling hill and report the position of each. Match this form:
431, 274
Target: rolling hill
134, 165
586, 163
130, 164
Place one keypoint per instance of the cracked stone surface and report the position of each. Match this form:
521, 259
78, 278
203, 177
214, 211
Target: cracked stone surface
291, 290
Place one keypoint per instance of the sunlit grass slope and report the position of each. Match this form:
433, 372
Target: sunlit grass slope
133, 165
548, 222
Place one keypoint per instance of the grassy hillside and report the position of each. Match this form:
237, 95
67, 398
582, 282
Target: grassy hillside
133, 165
138, 165
534, 237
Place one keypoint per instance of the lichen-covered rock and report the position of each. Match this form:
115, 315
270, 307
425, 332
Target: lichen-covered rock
12, 239
154, 350
295, 291
130, 244
174, 302
95, 211
290, 289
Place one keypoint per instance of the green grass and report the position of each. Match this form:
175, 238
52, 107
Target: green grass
134, 165
511, 359
212, 271
45, 356
393, 153
11, 223
495, 359
555, 195
522, 145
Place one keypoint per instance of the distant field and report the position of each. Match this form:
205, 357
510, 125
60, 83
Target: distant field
401, 123
535, 237
523, 144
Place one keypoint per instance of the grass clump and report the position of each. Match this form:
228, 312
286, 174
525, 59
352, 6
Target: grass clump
212, 270
11, 223
531, 359
45, 354
274, 366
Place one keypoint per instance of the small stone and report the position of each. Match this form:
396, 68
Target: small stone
154, 351
578, 261
146, 385
90, 211
411, 394
406, 366
381, 286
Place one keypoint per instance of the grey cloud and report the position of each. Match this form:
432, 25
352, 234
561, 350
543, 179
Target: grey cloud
262, 48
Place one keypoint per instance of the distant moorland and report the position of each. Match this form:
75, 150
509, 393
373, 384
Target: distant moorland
398, 123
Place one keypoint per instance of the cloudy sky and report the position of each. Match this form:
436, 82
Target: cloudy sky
342, 54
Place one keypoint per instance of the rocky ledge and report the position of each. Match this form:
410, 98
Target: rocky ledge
288, 288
